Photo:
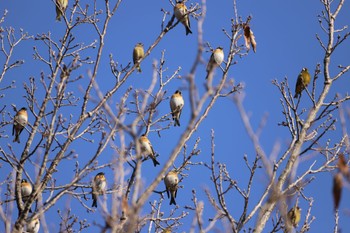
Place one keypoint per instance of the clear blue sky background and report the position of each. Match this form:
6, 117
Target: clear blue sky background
285, 33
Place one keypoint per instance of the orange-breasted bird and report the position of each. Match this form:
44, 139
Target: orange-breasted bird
138, 54
61, 6
302, 82
294, 215
19, 122
171, 182
181, 14
99, 185
176, 105
26, 190
216, 58
147, 149
33, 226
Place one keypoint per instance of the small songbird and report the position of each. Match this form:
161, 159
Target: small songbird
99, 185
294, 215
176, 105
147, 149
249, 38
26, 190
138, 54
302, 82
216, 58
181, 14
61, 6
171, 182
19, 122
33, 226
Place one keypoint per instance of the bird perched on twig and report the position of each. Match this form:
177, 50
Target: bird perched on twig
147, 149
216, 58
26, 190
171, 182
137, 55
19, 122
294, 215
302, 82
99, 185
61, 6
181, 14
33, 226
176, 105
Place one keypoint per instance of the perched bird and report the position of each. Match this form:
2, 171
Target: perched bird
181, 14
249, 38
216, 58
343, 166
33, 226
19, 122
337, 189
61, 6
294, 215
171, 181
147, 149
99, 185
26, 190
302, 82
138, 54
176, 105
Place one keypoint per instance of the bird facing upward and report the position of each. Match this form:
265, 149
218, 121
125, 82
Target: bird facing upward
147, 149
181, 14
176, 105
19, 122
171, 182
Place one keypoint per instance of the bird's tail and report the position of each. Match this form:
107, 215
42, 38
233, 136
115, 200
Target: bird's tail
94, 201
188, 30
177, 122
172, 200
155, 162
139, 68
16, 138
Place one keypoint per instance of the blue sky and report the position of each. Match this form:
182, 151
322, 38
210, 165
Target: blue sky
285, 33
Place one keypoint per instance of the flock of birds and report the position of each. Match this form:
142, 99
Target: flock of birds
171, 179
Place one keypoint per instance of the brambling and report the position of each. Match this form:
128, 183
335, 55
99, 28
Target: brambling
302, 82
176, 105
19, 122
147, 149
216, 58
249, 38
33, 226
181, 14
61, 6
26, 190
99, 185
294, 215
138, 54
171, 181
